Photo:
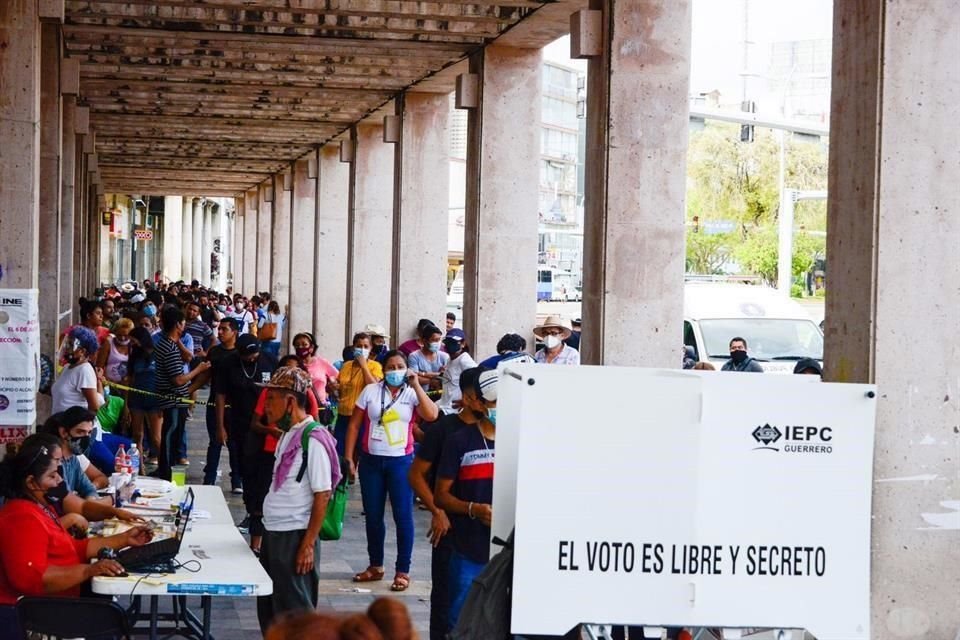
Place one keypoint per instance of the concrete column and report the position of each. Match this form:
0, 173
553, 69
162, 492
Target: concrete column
20, 149
237, 249
503, 162
186, 226
79, 214
635, 185
68, 176
51, 118
172, 237
250, 242
421, 199
264, 236
206, 249
303, 250
196, 252
893, 306
371, 229
331, 252
217, 243
280, 241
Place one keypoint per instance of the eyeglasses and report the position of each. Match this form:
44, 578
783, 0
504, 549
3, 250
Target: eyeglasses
552, 332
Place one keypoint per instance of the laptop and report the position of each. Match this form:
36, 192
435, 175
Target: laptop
159, 551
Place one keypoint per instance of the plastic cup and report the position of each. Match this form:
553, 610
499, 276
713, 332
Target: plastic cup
178, 475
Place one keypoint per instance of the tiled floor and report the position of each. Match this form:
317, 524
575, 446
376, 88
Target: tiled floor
236, 618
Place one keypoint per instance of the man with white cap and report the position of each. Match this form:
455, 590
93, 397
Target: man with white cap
465, 489
553, 331
380, 340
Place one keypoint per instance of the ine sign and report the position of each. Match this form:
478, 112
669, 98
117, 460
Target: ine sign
19, 358
680, 499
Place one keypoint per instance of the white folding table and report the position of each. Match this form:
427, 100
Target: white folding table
226, 567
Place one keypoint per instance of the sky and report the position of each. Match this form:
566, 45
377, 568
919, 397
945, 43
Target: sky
718, 36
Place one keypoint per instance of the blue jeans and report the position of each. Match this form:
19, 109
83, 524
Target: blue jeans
102, 453
379, 476
463, 571
214, 449
340, 433
173, 423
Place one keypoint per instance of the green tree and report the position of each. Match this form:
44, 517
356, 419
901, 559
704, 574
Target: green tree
731, 181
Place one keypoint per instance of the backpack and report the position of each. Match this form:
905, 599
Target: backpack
332, 527
486, 611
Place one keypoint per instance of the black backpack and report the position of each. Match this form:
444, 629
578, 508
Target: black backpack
486, 611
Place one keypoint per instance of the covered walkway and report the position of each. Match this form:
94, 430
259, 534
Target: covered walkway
325, 123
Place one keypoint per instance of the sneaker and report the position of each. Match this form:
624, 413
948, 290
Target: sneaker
184, 462
237, 491
244, 525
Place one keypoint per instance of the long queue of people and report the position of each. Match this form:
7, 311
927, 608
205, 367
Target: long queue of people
418, 420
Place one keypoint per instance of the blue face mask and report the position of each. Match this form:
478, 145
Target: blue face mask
396, 378
434, 346
492, 415
150, 310
361, 353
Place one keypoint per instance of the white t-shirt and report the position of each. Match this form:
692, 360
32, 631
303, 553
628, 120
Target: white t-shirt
244, 318
289, 508
451, 382
67, 389
392, 436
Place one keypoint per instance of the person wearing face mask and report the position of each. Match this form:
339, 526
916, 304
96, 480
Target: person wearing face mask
465, 490
38, 557
354, 376
296, 502
739, 359
386, 411
323, 373
429, 361
245, 319
455, 345
260, 457
146, 416
78, 384
114, 353
553, 332
379, 341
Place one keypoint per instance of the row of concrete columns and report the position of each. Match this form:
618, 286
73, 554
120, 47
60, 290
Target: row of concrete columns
362, 246
50, 192
191, 227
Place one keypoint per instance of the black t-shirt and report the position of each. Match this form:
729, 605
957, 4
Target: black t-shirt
435, 435
217, 355
239, 384
467, 459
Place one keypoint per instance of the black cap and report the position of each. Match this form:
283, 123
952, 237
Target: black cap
248, 344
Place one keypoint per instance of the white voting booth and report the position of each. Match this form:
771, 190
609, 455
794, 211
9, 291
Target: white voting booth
675, 498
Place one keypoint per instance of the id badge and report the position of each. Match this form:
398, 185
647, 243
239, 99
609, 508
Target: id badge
394, 428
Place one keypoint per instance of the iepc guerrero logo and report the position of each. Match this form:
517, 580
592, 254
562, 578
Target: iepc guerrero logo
795, 439
766, 436
4, 402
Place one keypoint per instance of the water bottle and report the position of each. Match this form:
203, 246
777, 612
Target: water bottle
120, 460
134, 455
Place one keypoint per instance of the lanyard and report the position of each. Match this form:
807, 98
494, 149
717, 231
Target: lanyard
384, 409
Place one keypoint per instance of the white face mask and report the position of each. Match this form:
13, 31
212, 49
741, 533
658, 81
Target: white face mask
552, 342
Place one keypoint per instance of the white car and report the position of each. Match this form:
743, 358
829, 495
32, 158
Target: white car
778, 331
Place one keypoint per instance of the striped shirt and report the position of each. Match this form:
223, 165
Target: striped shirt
169, 366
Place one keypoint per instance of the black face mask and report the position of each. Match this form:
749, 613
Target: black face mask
55, 495
738, 356
378, 349
79, 444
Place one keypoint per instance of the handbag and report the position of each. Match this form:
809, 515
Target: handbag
268, 331
332, 527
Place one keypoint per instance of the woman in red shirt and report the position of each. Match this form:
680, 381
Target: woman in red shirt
37, 555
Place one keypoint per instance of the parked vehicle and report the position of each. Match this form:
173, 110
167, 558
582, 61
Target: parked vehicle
778, 330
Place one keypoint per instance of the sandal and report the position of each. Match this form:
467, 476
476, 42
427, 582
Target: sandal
401, 582
370, 574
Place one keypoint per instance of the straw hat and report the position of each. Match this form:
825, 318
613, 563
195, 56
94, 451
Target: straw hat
554, 322
376, 330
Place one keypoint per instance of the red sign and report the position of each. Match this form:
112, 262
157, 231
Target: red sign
13, 434
143, 234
